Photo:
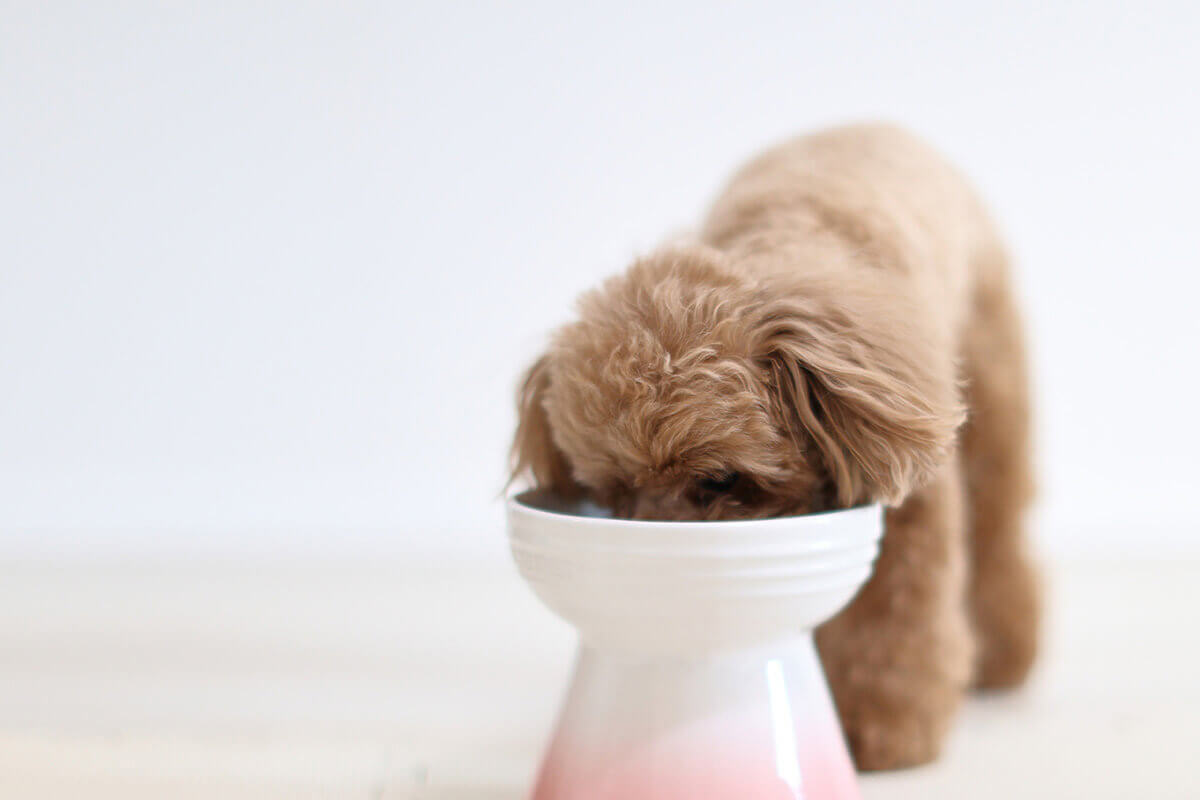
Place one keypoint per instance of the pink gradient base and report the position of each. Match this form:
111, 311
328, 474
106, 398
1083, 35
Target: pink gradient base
722, 758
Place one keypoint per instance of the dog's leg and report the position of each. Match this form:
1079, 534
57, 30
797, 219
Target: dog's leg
898, 658
996, 456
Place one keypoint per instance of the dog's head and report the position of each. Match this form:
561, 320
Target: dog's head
688, 389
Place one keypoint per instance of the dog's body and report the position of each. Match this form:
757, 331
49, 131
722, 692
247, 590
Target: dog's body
845, 308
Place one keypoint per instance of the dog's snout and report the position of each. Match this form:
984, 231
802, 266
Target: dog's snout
661, 506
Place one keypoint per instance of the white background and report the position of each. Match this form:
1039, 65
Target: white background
268, 272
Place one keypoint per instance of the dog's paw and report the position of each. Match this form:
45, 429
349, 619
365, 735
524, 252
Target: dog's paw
1005, 664
1006, 611
882, 739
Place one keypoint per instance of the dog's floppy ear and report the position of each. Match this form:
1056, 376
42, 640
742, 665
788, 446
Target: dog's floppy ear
867, 381
534, 452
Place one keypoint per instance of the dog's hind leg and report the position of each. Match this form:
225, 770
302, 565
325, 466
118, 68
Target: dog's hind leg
1003, 589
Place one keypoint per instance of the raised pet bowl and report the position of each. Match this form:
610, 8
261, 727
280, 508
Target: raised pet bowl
696, 676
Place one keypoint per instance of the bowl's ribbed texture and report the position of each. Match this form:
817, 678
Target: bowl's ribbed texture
691, 585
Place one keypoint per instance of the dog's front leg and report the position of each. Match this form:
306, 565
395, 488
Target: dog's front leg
898, 658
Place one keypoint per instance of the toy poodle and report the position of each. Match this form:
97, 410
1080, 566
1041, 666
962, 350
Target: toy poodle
841, 330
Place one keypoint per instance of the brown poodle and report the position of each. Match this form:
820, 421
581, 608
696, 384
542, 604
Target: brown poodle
842, 330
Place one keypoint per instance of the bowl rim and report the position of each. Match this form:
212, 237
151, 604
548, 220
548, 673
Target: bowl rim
517, 503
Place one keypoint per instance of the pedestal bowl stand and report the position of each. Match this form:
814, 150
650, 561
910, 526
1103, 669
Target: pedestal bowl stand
696, 676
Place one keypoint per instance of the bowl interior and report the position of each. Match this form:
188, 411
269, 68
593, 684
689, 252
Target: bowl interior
585, 512
542, 500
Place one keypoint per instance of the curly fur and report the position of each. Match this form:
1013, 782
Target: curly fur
843, 309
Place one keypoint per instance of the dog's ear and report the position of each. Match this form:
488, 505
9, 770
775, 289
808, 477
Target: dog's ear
534, 452
866, 381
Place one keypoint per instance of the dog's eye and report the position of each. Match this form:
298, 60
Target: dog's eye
721, 483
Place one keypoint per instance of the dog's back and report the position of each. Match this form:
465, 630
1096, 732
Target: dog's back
897, 201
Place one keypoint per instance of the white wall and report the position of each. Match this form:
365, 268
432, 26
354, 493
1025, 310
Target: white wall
268, 271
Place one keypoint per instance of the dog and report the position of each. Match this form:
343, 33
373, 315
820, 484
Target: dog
840, 330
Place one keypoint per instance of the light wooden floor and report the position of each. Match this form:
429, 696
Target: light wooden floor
377, 680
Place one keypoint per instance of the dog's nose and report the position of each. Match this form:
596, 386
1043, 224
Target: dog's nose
655, 506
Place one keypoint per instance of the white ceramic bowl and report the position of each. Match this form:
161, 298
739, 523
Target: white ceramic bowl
690, 586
